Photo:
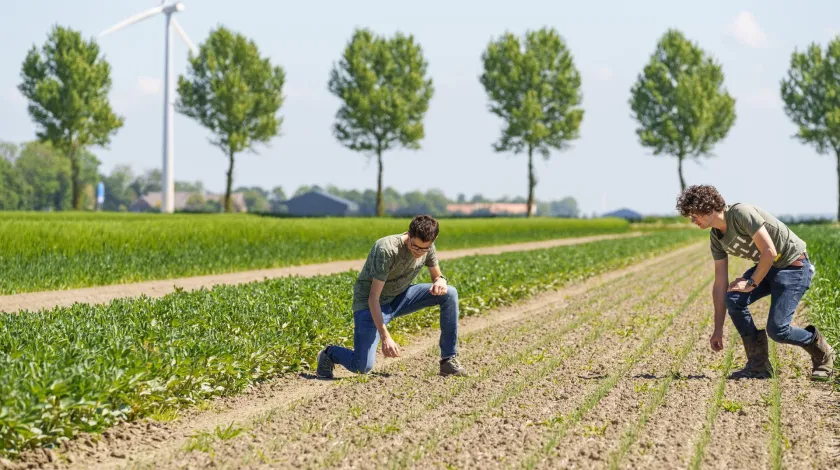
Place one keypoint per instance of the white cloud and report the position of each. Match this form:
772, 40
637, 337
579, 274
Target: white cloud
746, 30
764, 98
604, 74
149, 85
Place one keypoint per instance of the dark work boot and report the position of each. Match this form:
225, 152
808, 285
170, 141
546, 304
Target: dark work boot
758, 362
451, 366
325, 365
822, 356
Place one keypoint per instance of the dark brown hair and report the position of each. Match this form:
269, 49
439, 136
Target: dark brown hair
700, 200
424, 227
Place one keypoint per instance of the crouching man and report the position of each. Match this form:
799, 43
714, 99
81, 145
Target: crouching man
383, 292
782, 271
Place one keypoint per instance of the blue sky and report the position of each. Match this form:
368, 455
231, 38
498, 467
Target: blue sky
605, 169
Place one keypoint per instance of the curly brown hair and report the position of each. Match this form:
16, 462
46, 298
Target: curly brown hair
700, 200
424, 227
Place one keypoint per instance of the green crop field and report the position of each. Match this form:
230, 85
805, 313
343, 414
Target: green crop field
82, 368
59, 251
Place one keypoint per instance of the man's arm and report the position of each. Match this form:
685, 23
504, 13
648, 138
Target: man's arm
438, 281
389, 347
768, 255
719, 301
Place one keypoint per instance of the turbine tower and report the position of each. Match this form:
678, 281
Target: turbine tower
168, 182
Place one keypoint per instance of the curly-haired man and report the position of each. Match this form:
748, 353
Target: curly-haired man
383, 291
782, 271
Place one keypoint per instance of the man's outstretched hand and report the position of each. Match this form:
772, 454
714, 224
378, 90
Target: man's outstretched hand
390, 348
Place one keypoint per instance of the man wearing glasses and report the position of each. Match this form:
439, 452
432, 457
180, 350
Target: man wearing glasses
383, 291
782, 271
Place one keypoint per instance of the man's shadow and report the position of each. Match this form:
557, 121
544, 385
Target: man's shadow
311, 376
678, 376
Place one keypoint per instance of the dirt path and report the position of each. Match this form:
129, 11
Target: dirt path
613, 373
96, 295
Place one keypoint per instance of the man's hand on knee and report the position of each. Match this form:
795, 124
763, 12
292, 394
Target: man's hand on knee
735, 283
740, 285
439, 287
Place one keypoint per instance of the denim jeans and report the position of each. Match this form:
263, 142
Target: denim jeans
785, 286
366, 336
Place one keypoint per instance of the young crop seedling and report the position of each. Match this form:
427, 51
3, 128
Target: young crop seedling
227, 433
731, 406
591, 430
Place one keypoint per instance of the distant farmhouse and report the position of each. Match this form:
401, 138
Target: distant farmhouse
185, 201
321, 203
478, 209
626, 214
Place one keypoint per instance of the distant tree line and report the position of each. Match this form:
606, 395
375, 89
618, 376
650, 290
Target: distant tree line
36, 176
533, 86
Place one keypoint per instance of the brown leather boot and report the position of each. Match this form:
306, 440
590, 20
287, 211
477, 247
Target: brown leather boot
758, 362
822, 356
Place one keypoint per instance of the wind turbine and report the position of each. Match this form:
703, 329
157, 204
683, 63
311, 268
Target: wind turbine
168, 183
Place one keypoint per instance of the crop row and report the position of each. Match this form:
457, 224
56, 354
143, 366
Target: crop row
84, 367
42, 252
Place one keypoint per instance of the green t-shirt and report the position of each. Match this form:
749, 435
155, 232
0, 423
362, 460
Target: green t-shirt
742, 222
390, 261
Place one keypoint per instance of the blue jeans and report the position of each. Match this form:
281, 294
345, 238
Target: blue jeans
366, 336
785, 286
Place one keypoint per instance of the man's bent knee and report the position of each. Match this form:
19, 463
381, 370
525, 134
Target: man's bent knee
364, 367
736, 301
451, 293
778, 333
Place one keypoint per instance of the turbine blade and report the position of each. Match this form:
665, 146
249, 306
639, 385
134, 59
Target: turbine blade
134, 19
184, 36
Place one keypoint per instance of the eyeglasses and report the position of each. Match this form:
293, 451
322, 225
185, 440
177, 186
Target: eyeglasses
419, 248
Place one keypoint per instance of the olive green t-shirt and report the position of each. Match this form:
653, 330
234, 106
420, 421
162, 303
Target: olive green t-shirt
390, 261
742, 222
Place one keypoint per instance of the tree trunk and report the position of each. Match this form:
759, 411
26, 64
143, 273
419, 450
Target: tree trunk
228, 201
838, 186
380, 204
531, 180
679, 167
75, 185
